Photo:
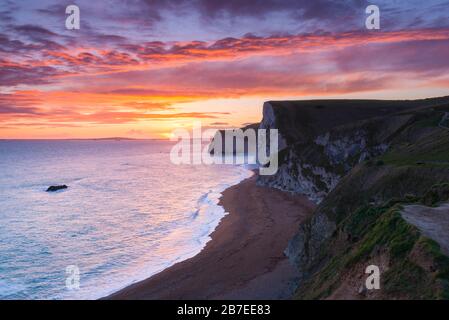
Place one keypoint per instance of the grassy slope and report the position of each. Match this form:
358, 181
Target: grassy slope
373, 229
369, 220
424, 143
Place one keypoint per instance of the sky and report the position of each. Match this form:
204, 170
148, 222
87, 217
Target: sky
142, 68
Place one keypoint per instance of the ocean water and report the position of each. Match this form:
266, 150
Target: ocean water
128, 213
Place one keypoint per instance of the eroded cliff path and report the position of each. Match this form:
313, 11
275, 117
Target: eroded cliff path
432, 222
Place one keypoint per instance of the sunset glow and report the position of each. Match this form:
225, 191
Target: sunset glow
143, 69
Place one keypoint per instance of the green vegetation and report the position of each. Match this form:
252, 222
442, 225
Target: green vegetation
374, 231
430, 150
389, 230
406, 160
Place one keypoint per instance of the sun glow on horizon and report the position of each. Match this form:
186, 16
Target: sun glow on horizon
134, 82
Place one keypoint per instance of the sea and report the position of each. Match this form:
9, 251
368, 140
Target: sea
127, 214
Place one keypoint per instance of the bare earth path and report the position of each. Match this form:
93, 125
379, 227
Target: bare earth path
244, 259
433, 222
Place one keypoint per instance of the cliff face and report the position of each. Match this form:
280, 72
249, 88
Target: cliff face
237, 147
321, 141
355, 158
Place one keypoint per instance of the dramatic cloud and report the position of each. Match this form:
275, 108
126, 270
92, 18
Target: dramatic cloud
305, 9
250, 44
33, 31
17, 110
166, 62
12, 74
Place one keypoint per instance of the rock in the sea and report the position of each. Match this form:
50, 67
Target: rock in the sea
56, 188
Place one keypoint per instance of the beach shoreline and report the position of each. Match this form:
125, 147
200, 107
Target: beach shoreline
244, 258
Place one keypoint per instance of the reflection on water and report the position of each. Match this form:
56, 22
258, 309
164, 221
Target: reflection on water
128, 213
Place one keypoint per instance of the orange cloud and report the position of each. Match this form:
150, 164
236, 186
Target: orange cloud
141, 83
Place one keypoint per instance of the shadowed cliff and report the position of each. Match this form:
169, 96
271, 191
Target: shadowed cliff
362, 161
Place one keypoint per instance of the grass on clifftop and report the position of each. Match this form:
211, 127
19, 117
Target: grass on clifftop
430, 149
416, 268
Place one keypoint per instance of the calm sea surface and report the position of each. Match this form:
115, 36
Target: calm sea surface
128, 213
